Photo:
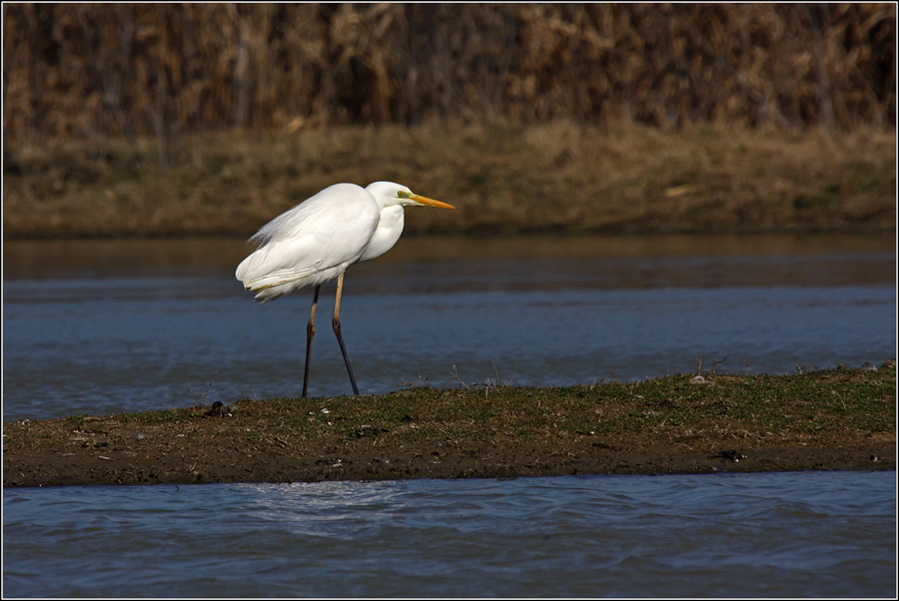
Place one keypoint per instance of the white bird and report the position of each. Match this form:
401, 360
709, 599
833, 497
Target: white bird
320, 238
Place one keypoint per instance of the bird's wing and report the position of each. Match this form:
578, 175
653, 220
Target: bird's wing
313, 212
312, 242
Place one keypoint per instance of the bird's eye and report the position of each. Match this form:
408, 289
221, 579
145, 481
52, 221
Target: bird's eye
402, 194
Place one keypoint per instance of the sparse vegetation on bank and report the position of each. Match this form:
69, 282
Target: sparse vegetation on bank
835, 419
503, 178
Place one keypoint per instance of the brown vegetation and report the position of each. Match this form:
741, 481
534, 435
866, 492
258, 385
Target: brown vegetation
173, 119
555, 177
89, 70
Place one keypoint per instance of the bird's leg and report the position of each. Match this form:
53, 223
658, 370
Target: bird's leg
336, 323
310, 332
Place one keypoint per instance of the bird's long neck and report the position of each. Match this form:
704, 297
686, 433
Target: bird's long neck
389, 230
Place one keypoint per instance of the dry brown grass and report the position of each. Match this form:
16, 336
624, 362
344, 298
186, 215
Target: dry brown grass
504, 178
161, 119
91, 70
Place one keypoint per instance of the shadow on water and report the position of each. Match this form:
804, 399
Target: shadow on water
219, 256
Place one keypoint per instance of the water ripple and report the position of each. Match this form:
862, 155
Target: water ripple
810, 534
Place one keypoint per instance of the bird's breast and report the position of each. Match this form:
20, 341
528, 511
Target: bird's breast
389, 229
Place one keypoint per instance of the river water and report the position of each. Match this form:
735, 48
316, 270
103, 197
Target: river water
743, 535
96, 327
110, 326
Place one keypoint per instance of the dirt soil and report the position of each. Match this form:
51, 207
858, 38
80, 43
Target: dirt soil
834, 420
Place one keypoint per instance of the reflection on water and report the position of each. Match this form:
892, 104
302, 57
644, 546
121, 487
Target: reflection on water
766, 535
220, 256
107, 326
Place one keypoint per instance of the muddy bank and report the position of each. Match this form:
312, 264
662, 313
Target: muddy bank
836, 419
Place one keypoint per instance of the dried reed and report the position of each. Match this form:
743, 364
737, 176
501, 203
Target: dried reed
125, 70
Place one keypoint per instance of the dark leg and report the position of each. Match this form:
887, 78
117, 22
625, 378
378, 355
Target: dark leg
336, 323
310, 332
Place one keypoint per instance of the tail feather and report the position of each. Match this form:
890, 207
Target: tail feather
256, 274
276, 263
272, 273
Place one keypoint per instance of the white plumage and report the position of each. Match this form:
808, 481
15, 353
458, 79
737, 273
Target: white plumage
320, 238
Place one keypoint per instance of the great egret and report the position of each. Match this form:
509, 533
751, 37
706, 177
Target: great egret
319, 238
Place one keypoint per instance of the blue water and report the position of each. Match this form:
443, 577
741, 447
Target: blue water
756, 535
106, 339
109, 326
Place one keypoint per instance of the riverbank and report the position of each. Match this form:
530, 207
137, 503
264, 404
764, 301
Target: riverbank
555, 177
835, 419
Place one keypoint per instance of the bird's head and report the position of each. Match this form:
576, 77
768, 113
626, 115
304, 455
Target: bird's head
390, 194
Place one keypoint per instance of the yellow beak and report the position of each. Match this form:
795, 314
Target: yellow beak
430, 202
